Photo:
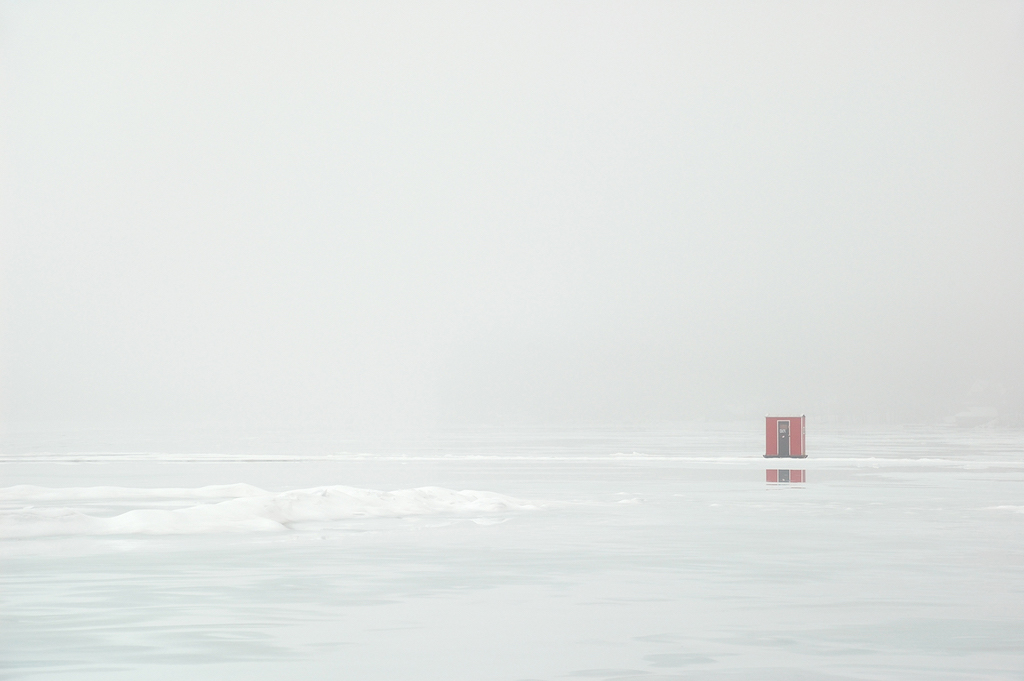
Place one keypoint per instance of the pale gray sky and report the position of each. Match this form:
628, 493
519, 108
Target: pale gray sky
526, 211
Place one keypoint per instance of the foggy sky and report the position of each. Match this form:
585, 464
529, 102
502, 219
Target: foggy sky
496, 212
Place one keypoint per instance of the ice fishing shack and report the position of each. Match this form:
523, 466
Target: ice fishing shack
784, 437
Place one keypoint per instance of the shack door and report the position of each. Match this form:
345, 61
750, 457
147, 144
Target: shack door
783, 438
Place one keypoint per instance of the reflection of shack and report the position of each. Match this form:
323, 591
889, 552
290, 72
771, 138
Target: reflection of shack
785, 476
784, 437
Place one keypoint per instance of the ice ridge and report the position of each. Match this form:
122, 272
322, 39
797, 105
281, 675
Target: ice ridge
249, 509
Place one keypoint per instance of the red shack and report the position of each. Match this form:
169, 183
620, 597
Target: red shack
784, 437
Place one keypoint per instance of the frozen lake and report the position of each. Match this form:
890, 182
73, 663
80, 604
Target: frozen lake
592, 554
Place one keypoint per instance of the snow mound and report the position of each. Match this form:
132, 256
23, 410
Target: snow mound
1013, 509
245, 508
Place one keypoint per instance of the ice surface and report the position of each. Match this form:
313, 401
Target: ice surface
648, 554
